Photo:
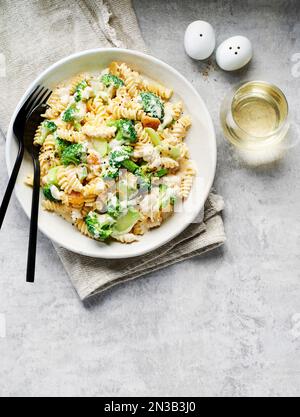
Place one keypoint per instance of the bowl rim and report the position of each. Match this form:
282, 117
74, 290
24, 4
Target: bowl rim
155, 61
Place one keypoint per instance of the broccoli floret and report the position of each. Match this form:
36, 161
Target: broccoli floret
61, 145
125, 130
70, 114
46, 128
121, 158
118, 156
74, 154
74, 114
113, 207
144, 180
48, 193
111, 173
111, 80
152, 105
50, 126
79, 89
99, 226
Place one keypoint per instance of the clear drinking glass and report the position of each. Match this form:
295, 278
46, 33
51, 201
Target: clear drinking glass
254, 118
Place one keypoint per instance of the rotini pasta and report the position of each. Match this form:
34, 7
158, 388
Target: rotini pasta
29, 180
59, 209
126, 238
131, 78
113, 161
77, 80
94, 187
187, 176
56, 105
177, 109
48, 160
71, 136
119, 111
67, 179
102, 131
82, 227
160, 90
179, 130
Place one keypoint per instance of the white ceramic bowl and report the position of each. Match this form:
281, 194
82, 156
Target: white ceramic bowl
201, 140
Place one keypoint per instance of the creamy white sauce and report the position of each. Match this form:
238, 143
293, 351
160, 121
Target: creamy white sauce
56, 193
87, 93
114, 144
104, 95
81, 110
76, 215
96, 86
64, 95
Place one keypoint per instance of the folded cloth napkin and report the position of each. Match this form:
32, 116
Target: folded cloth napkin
34, 34
92, 276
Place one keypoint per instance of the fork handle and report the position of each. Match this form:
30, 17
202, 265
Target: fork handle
11, 183
33, 222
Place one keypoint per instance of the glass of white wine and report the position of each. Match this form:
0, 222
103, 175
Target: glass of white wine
254, 118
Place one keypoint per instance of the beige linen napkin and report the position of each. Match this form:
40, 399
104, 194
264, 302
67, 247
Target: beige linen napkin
35, 34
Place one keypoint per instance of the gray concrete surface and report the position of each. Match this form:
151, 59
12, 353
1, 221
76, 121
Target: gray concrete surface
226, 324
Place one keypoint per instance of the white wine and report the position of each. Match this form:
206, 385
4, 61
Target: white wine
255, 119
259, 109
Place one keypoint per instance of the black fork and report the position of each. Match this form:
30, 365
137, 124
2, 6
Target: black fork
39, 96
34, 120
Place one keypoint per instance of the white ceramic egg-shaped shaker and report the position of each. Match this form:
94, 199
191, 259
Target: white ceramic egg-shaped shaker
199, 40
234, 53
